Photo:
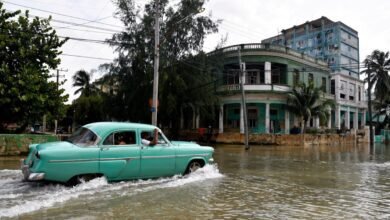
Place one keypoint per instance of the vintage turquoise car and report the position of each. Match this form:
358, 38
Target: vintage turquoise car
113, 150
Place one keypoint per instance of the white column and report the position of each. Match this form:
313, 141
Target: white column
296, 121
181, 118
337, 89
197, 118
267, 72
241, 119
267, 118
347, 119
356, 93
364, 118
193, 117
317, 122
220, 119
337, 116
356, 119
44, 124
287, 122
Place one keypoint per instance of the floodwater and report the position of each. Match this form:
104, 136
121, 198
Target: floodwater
316, 182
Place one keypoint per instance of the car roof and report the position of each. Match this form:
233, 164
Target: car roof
103, 128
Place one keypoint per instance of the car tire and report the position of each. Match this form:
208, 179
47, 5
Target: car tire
76, 180
193, 166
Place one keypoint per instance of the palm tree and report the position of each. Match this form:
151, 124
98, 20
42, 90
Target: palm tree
378, 65
305, 102
82, 79
381, 109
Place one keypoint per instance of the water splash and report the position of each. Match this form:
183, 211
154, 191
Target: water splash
27, 198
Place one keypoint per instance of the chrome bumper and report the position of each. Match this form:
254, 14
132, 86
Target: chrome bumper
27, 175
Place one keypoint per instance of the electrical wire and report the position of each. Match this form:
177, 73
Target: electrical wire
87, 57
56, 13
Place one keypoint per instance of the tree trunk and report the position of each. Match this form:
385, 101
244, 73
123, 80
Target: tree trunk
303, 126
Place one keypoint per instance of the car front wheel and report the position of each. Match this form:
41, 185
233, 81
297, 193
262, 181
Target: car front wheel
193, 166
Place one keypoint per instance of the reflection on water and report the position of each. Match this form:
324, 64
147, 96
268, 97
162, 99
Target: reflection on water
335, 182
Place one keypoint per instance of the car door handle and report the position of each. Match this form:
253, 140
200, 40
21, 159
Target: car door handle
104, 148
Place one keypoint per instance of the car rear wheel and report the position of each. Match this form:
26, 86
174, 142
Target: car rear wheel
81, 179
194, 166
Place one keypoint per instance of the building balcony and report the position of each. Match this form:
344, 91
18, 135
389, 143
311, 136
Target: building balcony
266, 47
254, 88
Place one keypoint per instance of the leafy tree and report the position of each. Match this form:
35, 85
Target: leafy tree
29, 48
82, 79
184, 74
88, 109
305, 101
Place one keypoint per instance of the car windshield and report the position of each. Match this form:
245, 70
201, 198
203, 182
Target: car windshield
83, 137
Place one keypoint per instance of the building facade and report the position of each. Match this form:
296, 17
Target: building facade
338, 45
271, 72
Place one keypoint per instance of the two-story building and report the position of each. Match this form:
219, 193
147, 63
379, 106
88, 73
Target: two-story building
271, 72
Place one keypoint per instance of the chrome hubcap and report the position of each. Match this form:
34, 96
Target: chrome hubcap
194, 166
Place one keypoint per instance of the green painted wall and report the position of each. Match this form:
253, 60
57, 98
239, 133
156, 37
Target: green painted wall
277, 119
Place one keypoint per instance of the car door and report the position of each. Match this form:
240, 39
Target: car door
119, 156
158, 160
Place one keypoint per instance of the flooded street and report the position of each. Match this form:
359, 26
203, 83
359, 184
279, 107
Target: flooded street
327, 182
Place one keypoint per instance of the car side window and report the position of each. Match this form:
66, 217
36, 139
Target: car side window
120, 138
147, 137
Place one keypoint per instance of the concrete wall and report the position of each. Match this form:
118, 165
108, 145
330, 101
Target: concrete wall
278, 139
17, 144
286, 139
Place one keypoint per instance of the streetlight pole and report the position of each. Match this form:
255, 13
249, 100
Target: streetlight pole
58, 87
243, 100
370, 111
156, 62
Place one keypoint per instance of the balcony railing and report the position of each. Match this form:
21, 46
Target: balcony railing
254, 87
263, 87
267, 47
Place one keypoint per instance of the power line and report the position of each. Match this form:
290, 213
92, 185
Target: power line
88, 22
87, 57
86, 26
65, 15
74, 29
74, 24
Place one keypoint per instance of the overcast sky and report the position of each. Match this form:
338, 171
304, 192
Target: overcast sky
245, 21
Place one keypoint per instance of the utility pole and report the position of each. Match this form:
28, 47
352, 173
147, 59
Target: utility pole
156, 62
369, 111
243, 100
58, 86
58, 76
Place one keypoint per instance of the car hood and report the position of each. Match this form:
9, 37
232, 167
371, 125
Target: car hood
55, 145
185, 143
188, 144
